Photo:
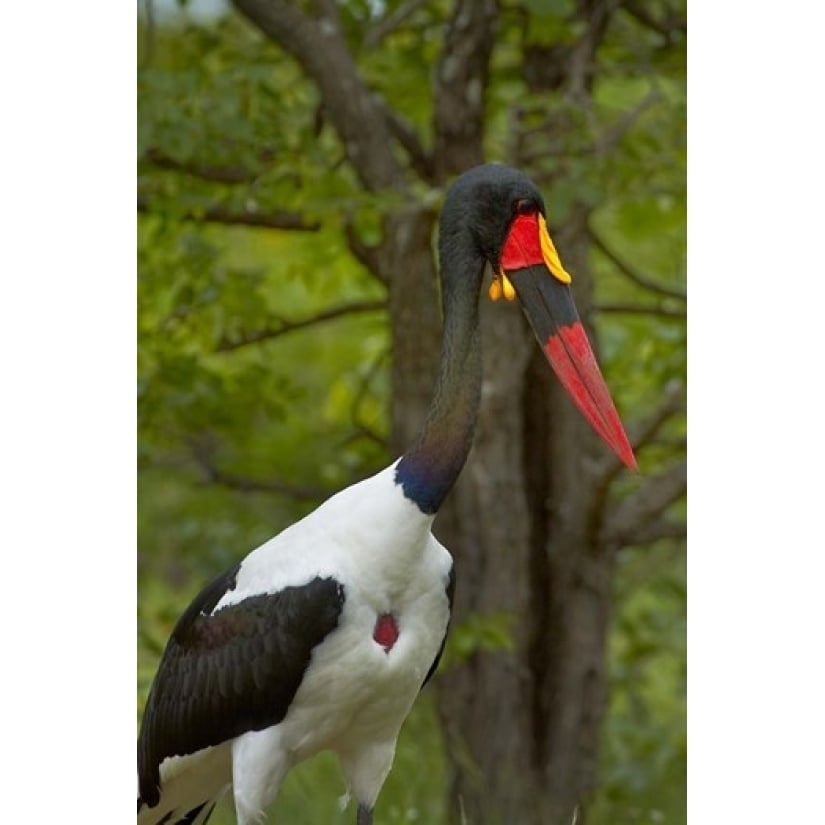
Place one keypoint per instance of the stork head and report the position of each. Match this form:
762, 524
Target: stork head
494, 214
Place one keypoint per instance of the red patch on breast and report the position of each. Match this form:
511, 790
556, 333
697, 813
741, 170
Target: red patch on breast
386, 631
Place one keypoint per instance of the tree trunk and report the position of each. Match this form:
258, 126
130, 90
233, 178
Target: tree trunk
572, 572
522, 724
406, 262
484, 523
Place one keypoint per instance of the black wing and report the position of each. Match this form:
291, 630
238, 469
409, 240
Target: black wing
225, 673
450, 595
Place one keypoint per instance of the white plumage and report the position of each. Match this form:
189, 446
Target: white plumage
355, 694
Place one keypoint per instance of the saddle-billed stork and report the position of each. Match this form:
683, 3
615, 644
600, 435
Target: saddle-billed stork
322, 637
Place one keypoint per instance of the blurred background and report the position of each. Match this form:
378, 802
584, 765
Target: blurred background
292, 159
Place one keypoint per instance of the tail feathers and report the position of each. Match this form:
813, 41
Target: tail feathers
190, 786
198, 815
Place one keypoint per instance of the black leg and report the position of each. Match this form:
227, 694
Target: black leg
364, 815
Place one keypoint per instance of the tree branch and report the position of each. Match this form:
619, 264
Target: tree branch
674, 23
390, 22
362, 428
218, 174
634, 515
462, 76
279, 219
214, 475
286, 326
631, 273
623, 124
660, 528
640, 435
368, 256
673, 402
409, 140
319, 47
601, 146
581, 59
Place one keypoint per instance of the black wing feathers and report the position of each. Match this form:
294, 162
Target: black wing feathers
225, 673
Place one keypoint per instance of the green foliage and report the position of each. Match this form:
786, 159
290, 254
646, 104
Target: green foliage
489, 632
228, 122
643, 772
550, 22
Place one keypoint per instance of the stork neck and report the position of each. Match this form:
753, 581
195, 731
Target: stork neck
429, 469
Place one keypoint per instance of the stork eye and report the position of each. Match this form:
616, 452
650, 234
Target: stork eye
523, 206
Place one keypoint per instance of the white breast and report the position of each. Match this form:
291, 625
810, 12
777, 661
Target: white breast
354, 689
378, 545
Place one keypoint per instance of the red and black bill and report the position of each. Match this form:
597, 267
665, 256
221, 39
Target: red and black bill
530, 261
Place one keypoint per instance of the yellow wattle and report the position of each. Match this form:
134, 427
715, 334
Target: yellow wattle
501, 286
509, 289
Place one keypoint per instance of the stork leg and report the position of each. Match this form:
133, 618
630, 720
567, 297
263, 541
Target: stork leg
364, 815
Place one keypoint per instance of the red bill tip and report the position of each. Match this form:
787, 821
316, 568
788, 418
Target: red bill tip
572, 359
